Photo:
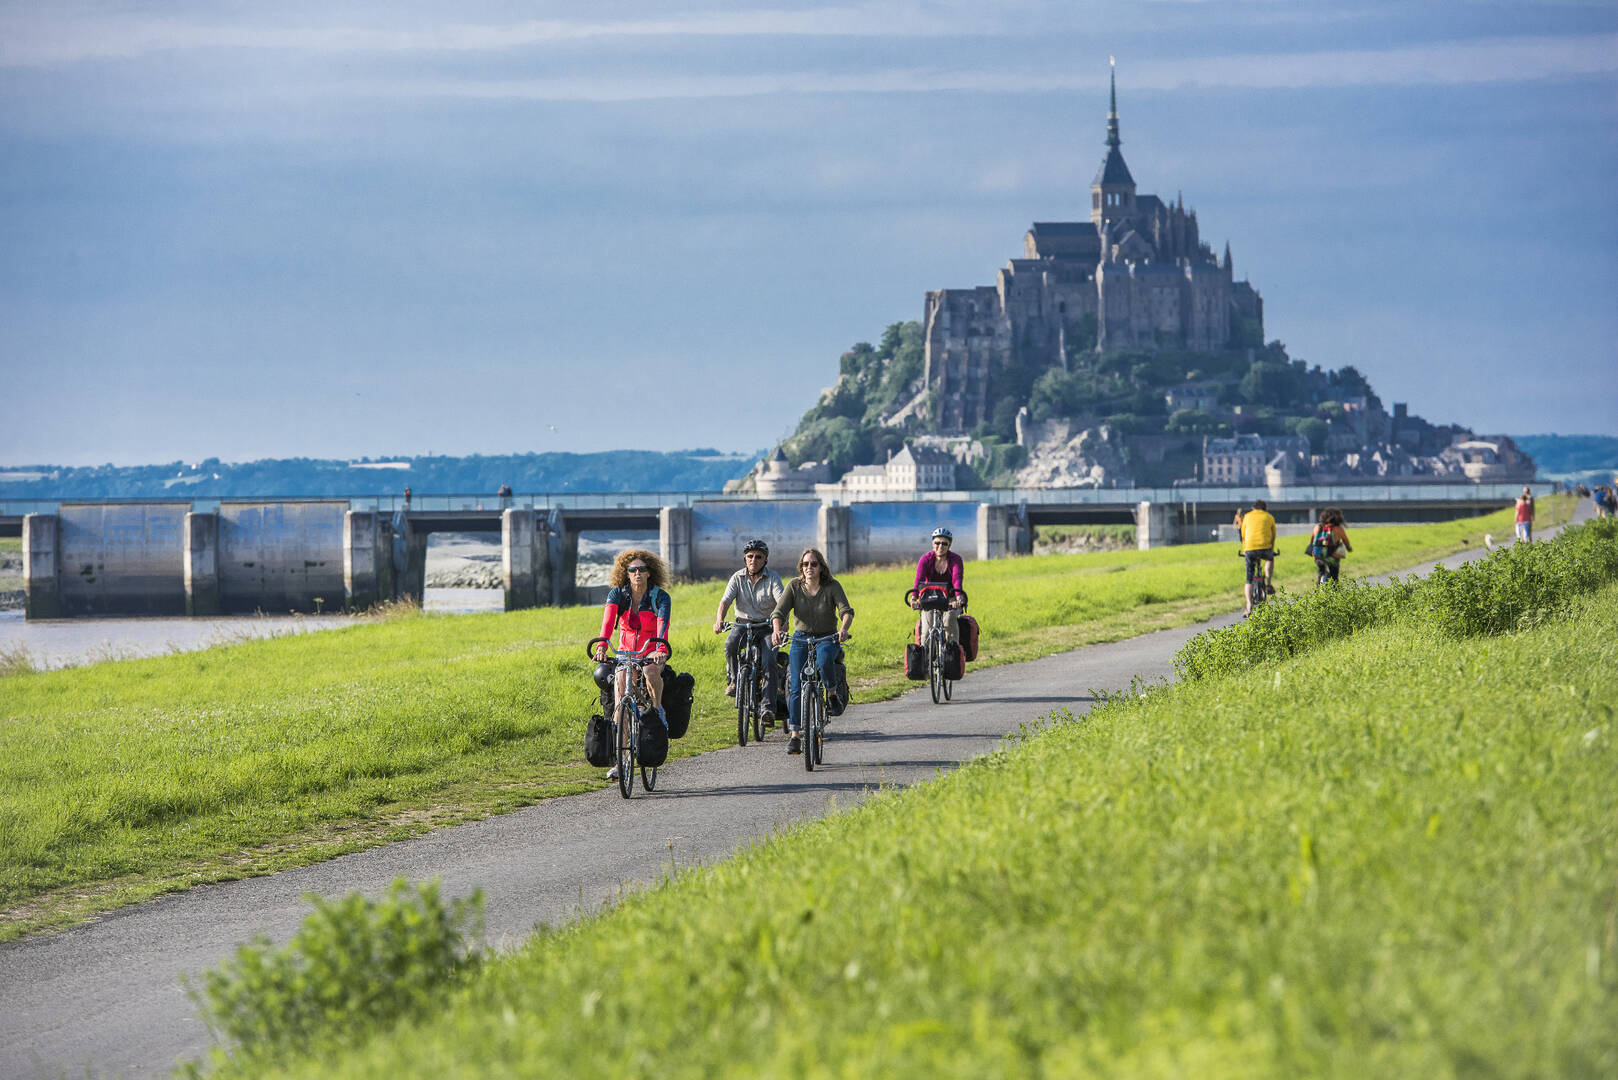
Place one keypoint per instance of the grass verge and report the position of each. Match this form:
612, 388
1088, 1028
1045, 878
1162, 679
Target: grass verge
124, 780
1394, 855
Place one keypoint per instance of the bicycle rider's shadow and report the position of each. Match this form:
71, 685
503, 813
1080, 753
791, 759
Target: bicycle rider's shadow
770, 789
1015, 699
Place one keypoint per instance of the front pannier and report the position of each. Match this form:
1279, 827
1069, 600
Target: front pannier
654, 741
679, 690
969, 637
598, 742
954, 665
915, 663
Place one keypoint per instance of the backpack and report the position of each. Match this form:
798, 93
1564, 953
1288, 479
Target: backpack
969, 637
654, 741
679, 690
598, 742
915, 663
1320, 544
954, 662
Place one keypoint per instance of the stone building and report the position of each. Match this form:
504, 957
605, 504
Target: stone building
1136, 275
912, 469
1250, 459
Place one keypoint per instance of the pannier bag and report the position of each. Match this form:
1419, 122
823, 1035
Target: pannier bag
654, 741
969, 637
954, 664
679, 690
782, 674
837, 688
918, 631
915, 663
598, 742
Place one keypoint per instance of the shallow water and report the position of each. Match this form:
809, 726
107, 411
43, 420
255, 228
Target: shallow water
58, 643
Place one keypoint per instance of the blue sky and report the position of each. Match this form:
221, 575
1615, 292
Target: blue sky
341, 229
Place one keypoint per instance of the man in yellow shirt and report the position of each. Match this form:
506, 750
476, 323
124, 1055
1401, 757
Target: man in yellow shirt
1258, 547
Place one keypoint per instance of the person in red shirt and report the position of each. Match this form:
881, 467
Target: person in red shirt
639, 607
1525, 516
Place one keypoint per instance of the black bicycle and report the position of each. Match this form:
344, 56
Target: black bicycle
628, 710
935, 600
753, 666
1263, 589
812, 703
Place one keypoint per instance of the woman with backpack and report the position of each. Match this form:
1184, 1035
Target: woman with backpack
1329, 545
639, 607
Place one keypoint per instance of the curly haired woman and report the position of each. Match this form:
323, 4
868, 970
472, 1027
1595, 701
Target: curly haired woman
639, 607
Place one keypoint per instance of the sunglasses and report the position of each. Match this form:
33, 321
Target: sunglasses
809, 562
637, 569
940, 543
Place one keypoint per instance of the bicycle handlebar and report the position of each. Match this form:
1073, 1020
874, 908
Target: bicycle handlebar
619, 654
953, 592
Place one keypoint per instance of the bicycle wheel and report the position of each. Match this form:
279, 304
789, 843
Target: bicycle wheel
626, 756
648, 778
949, 688
758, 712
935, 670
806, 712
744, 692
818, 734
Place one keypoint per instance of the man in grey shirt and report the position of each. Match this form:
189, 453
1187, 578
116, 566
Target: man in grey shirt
754, 589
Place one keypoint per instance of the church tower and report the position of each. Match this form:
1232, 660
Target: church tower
1112, 194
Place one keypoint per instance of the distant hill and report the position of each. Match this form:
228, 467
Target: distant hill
1563, 457
622, 470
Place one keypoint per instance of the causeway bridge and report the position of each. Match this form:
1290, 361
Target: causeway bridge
221, 556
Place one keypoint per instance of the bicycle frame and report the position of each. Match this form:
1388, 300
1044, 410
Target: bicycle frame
936, 635
628, 708
812, 701
751, 669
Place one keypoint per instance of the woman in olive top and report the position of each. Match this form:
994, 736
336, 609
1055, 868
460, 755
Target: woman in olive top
815, 600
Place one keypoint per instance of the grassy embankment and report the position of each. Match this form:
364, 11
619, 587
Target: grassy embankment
1394, 854
124, 780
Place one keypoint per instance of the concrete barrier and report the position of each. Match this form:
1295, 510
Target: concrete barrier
719, 531
41, 584
282, 556
122, 558
201, 564
367, 576
880, 534
525, 555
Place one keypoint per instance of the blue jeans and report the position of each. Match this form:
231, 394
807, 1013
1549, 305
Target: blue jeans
826, 654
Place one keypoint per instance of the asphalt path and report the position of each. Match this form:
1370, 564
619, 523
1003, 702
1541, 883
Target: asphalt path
105, 999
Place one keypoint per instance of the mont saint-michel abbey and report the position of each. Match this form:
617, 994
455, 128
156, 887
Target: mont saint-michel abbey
1136, 275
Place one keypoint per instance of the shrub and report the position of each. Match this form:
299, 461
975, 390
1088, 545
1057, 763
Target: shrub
1515, 588
356, 965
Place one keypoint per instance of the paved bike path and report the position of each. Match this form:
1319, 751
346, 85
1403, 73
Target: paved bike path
104, 999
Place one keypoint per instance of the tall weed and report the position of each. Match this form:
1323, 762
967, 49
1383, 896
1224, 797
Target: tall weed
355, 967
1515, 588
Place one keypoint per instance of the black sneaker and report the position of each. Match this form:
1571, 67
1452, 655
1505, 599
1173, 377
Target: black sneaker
769, 717
794, 744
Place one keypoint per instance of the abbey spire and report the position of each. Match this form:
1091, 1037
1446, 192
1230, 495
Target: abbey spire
1112, 194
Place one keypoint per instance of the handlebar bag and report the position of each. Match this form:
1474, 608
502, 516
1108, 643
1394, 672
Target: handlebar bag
598, 742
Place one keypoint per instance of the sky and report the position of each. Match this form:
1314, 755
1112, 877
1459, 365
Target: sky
344, 229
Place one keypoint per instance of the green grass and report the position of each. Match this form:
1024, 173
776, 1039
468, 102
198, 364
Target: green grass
1395, 855
123, 780
10, 545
